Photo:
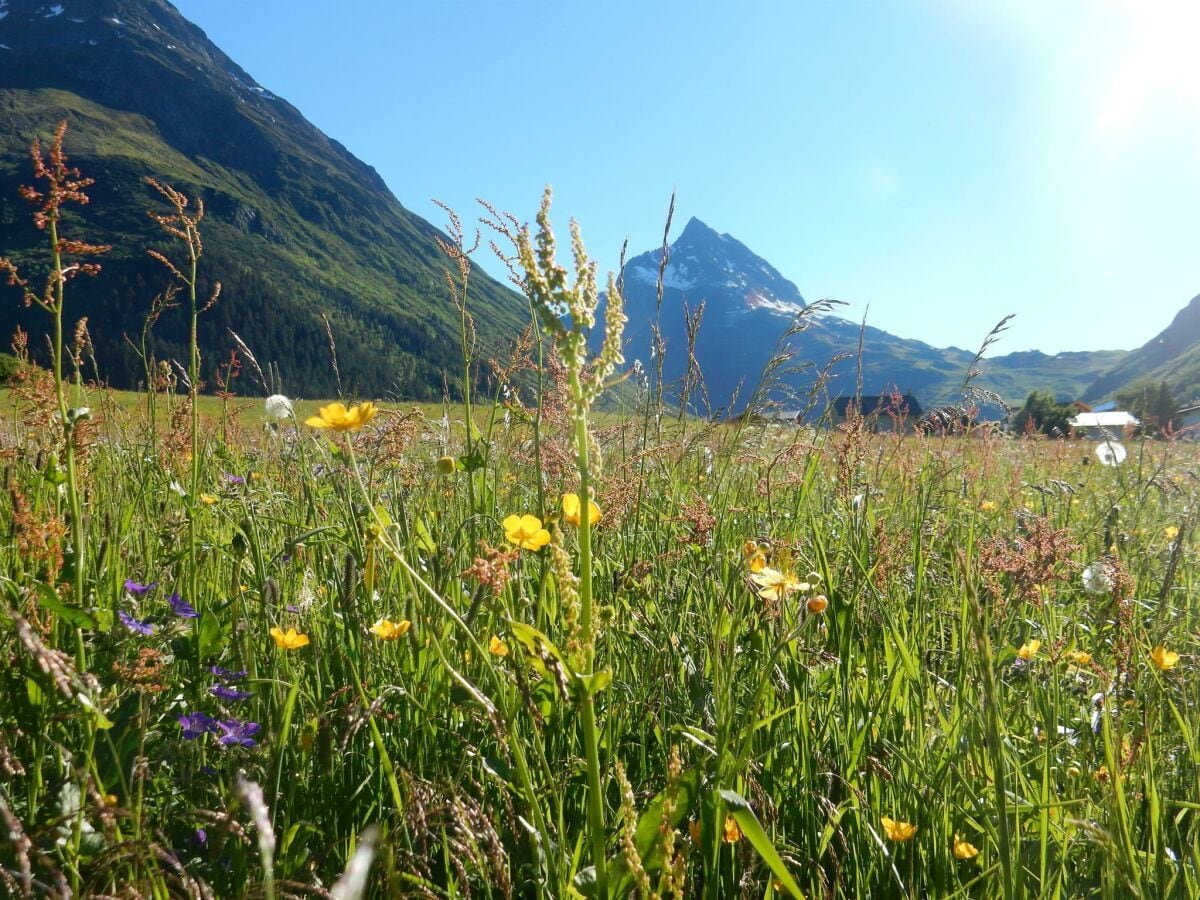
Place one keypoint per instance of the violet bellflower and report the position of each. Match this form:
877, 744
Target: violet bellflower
182, 608
136, 625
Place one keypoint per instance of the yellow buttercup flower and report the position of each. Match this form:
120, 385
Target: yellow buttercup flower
731, 833
964, 849
987, 506
338, 418
526, 532
572, 512
756, 562
1164, 660
1079, 657
387, 630
1171, 532
208, 499
1029, 650
775, 585
898, 831
288, 640
497, 647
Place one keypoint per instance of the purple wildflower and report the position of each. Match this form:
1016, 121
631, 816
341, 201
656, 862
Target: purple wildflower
201, 837
138, 589
182, 608
233, 479
227, 674
224, 692
196, 724
135, 625
235, 733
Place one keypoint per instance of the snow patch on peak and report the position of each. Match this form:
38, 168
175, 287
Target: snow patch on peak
3, 12
674, 277
771, 303
5, 47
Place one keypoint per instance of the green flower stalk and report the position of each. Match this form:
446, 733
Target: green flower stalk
62, 184
555, 297
185, 227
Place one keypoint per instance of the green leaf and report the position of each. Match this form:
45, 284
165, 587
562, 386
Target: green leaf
72, 615
648, 839
472, 462
596, 682
102, 721
425, 542
211, 634
748, 822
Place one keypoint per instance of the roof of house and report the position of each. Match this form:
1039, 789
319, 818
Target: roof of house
1111, 419
874, 404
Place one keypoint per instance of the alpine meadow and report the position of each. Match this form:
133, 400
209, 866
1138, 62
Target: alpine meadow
561, 590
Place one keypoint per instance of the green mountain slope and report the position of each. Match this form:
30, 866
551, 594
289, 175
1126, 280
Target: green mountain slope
296, 225
1172, 356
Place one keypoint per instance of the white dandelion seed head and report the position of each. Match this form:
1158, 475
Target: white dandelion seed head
278, 406
1097, 578
1110, 453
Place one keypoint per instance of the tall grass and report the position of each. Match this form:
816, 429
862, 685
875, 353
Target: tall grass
772, 640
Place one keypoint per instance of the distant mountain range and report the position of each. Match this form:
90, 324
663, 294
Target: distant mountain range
298, 227
296, 224
748, 306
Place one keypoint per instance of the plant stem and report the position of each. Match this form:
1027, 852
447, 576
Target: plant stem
587, 705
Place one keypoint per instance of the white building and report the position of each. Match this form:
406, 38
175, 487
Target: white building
1097, 423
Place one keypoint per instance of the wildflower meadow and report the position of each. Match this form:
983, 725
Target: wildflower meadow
558, 637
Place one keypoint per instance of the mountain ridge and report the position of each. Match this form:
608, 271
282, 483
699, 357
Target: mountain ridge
749, 305
297, 226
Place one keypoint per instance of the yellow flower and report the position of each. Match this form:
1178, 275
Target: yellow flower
775, 585
898, 831
964, 849
1101, 774
387, 630
731, 833
572, 513
818, 604
111, 800
986, 506
289, 640
1171, 532
1164, 660
749, 548
756, 562
208, 499
1029, 650
337, 417
497, 647
526, 532
1079, 657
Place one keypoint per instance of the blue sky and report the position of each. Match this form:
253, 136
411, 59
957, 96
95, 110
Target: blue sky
945, 161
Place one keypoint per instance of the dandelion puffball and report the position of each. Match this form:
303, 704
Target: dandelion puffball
1110, 453
278, 406
1097, 578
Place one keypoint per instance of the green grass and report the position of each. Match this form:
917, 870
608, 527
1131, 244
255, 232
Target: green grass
823, 723
784, 661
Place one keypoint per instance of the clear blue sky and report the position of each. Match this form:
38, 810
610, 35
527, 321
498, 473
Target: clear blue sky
944, 161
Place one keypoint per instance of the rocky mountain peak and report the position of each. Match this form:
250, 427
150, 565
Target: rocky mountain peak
704, 264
